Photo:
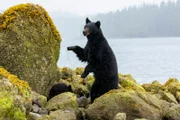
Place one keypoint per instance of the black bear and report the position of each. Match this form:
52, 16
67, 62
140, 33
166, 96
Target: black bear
100, 58
58, 89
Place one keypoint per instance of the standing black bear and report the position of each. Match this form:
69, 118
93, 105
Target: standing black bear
100, 58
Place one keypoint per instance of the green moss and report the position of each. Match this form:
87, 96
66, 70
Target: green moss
64, 101
126, 77
79, 71
66, 73
129, 84
19, 10
17, 114
154, 87
8, 110
172, 85
6, 103
89, 82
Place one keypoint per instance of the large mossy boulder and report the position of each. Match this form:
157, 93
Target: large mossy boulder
30, 46
15, 101
136, 104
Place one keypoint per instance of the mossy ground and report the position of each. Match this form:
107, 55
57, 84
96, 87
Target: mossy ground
8, 110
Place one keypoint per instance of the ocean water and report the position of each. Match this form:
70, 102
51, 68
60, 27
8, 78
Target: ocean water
146, 59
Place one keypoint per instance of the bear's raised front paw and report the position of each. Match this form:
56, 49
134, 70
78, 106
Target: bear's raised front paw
71, 48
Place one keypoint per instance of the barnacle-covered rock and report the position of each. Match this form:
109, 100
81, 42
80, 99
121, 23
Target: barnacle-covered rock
30, 45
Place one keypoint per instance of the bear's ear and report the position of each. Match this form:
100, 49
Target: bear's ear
87, 20
98, 24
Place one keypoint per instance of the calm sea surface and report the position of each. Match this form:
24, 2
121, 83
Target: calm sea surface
146, 59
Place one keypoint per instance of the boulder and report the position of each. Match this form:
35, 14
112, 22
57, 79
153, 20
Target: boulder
136, 104
63, 101
30, 46
38, 99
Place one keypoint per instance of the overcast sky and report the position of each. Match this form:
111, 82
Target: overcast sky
80, 7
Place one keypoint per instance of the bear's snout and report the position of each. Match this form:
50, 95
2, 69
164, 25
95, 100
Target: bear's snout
86, 32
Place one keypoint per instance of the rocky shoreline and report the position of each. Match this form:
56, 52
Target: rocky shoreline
30, 45
131, 101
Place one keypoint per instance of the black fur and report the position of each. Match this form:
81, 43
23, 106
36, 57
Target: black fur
58, 89
100, 58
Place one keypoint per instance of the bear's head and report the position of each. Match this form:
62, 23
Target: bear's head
92, 28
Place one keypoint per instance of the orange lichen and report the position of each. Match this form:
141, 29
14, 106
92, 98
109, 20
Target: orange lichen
30, 11
23, 86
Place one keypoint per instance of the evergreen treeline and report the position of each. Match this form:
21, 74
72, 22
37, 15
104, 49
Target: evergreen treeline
144, 21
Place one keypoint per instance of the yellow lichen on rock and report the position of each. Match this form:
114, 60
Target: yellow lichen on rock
27, 9
23, 86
